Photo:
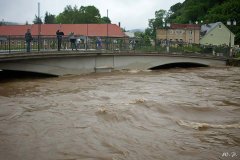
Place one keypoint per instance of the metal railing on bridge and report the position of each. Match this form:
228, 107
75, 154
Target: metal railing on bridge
17, 44
12, 44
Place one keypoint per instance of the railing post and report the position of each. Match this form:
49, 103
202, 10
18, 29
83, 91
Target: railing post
38, 43
9, 44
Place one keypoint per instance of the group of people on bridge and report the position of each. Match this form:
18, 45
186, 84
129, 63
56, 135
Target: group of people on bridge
59, 35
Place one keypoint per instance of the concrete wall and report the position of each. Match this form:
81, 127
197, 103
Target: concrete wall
80, 64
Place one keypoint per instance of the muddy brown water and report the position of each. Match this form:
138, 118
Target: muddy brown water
124, 115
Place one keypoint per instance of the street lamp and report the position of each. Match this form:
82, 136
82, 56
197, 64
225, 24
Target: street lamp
166, 26
230, 23
107, 33
39, 27
194, 32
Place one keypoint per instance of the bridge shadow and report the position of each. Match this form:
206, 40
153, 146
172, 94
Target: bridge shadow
178, 65
10, 75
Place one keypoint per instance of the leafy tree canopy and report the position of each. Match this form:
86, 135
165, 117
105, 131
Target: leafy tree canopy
37, 20
85, 14
49, 18
156, 23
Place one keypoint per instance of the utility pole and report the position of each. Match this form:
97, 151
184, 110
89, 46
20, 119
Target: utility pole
107, 32
39, 26
87, 38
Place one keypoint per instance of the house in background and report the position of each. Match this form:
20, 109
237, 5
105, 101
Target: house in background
179, 33
216, 34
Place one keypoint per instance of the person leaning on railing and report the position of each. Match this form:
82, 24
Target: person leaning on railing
28, 39
59, 38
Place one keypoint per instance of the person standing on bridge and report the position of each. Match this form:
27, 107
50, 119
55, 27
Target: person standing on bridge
72, 39
59, 38
28, 39
99, 43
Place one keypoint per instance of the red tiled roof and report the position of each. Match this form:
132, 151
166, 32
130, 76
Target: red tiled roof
103, 30
187, 26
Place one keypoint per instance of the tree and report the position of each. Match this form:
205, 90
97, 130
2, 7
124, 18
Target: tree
142, 39
175, 7
37, 20
73, 15
224, 12
68, 16
191, 10
49, 18
90, 14
156, 23
105, 20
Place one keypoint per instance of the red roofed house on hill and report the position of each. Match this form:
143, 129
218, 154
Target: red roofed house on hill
48, 31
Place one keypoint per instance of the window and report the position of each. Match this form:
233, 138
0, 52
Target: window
220, 26
190, 32
178, 32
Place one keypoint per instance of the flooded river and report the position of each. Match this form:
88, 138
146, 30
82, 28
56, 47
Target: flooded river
125, 115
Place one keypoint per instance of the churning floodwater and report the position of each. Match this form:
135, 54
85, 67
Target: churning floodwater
183, 114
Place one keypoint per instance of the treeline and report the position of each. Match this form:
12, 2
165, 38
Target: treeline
198, 11
74, 15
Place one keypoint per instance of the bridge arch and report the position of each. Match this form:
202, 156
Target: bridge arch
178, 65
81, 63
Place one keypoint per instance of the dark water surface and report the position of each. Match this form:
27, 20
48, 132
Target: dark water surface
128, 115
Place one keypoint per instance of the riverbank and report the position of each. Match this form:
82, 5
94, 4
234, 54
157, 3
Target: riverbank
234, 62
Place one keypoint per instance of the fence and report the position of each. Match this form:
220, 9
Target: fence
14, 44
50, 43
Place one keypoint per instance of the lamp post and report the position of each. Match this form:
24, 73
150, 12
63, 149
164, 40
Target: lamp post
230, 23
107, 33
194, 31
166, 26
86, 38
39, 27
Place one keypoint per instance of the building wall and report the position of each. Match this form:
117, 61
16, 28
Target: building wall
220, 35
184, 35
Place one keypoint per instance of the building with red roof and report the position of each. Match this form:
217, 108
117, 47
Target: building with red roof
91, 30
180, 33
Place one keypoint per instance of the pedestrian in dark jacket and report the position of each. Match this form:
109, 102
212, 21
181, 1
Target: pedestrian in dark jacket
59, 38
28, 39
72, 39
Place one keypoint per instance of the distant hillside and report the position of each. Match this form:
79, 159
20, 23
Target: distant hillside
9, 23
192, 10
136, 30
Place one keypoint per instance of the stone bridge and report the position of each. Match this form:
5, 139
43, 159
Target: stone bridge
76, 63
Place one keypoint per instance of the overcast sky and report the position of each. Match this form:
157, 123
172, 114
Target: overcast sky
133, 14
